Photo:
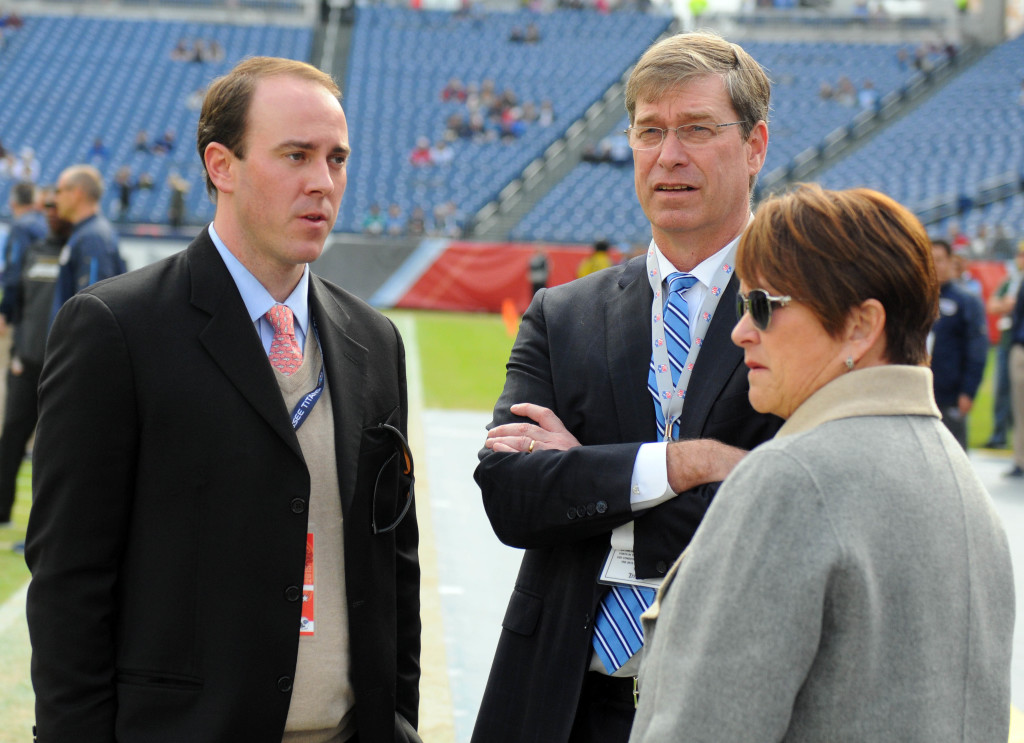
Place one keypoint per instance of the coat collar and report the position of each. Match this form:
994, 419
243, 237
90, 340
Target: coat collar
878, 390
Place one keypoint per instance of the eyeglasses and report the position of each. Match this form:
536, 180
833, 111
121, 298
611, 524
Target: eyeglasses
49, 205
651, 137
385, 506
759, 304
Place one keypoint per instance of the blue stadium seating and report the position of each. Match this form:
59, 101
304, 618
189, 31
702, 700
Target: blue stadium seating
400, 62
968, 132
65, 81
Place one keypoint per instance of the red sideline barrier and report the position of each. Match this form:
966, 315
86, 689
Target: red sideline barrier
990, 275
478, 277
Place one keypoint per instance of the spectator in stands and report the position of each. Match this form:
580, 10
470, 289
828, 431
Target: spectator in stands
868, 96
417, 224
26, 167
516, 35
447, 220
164, 144
441, 153
529, 112
98, 152
420, 155
27, 300
456, 127
92, 252
394, 224
142, 141
126, 185
959, 345
181, 52
1000, 305
176, 205
532, 35
598, 260
546, 116
846, 93
28, 224
373, 222
454, 91
1002, 245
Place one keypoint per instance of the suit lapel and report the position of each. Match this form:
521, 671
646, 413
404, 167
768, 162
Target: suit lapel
628, 329
346, 365
231, 340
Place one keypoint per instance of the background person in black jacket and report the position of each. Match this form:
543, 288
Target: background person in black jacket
959, 345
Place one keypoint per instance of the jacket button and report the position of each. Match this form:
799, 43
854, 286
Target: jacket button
298, 505
293, 593
284, 684
602, 506
591, 508
661, 567
571, 513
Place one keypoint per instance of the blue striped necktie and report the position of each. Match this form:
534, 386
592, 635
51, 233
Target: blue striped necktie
677, 340
618, 633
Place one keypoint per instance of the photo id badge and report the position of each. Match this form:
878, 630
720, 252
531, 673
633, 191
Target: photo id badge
619, 570
306, 627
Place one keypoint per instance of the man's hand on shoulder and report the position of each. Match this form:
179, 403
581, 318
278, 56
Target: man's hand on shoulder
699, 461
546, 432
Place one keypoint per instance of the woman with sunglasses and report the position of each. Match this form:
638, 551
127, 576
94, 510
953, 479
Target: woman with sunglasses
851, 580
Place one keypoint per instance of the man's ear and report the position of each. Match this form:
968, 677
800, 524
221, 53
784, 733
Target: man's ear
219, 161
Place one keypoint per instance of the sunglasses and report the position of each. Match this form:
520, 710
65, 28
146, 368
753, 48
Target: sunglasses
386, 513
759, 304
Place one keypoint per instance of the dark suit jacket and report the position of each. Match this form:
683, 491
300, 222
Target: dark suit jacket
167, 535
583, 350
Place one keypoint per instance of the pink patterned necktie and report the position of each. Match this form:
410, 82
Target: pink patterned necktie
285, 354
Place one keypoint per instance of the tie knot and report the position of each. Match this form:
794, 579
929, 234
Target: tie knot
281, 318
680, 282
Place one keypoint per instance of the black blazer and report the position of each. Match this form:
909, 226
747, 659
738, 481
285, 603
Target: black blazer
584, 350
169, 515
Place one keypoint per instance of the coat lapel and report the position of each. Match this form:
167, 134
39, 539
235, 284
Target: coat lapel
628, 329
231, 340
346, 366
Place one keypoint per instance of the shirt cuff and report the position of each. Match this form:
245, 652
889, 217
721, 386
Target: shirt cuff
649, 485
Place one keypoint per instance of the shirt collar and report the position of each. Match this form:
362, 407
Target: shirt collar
255, 296
703, 271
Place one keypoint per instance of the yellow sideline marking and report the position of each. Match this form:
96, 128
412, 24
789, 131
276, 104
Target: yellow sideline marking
437, 722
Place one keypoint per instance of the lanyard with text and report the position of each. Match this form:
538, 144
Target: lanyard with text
672, 396
308, 401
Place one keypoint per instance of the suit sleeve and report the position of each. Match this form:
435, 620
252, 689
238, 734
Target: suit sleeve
407, 591
976, 345
83, 470
551, 498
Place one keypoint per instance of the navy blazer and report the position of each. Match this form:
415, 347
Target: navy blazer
584, 350
170, 513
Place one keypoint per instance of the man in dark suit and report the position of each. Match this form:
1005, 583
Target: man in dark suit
222, 541
575, 462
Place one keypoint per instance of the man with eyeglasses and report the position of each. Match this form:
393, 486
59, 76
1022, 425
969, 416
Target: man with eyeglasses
223, 541
91, 253
625, 405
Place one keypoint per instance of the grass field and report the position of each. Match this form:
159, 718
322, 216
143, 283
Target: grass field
462, 359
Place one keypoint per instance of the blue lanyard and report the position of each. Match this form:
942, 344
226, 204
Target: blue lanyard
306, 404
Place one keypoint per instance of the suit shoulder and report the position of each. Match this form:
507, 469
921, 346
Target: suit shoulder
614, 278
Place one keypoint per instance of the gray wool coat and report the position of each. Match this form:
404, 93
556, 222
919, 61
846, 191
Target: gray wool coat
851, 582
